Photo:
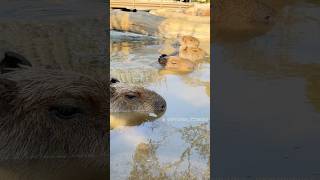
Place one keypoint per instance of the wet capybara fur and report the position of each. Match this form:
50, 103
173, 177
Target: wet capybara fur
132, 98
54, 113
189, 41
176, 63
189, 49
187, 57
192, 53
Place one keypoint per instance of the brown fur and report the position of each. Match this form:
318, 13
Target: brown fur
185, 60
189, 41
30, 125
178, 64
189, 49
132, 98
192, 53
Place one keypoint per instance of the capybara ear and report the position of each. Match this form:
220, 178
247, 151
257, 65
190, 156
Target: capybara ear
114, 80
12, 60
112, 88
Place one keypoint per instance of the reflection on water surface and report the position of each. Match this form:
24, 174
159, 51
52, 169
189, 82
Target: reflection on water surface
123, 119
174, 146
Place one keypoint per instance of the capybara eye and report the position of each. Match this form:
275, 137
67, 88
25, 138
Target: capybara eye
130, 96
65, 111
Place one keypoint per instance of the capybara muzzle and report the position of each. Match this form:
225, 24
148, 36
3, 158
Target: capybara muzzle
163, 59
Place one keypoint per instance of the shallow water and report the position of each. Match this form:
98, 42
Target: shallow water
267, 98
175, 145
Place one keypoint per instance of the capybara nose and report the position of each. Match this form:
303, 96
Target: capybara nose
162, 106
163, 59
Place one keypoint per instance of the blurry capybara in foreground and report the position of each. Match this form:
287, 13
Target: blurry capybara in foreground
49, 113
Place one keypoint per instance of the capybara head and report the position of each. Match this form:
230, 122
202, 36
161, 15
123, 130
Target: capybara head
176, 63
189, 41
133, 98
49, 113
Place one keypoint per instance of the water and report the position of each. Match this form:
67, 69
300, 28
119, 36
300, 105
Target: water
267, 97
175, 145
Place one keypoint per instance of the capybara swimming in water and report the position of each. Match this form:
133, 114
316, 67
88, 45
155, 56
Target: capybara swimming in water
189, 49
48, 113
176, 63
132, 98
186, 58
189, 41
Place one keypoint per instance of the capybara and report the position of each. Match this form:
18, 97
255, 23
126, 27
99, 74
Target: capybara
189, 41
176, 63
185, 60
132, 98
52, 112
49, 113
189, 49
